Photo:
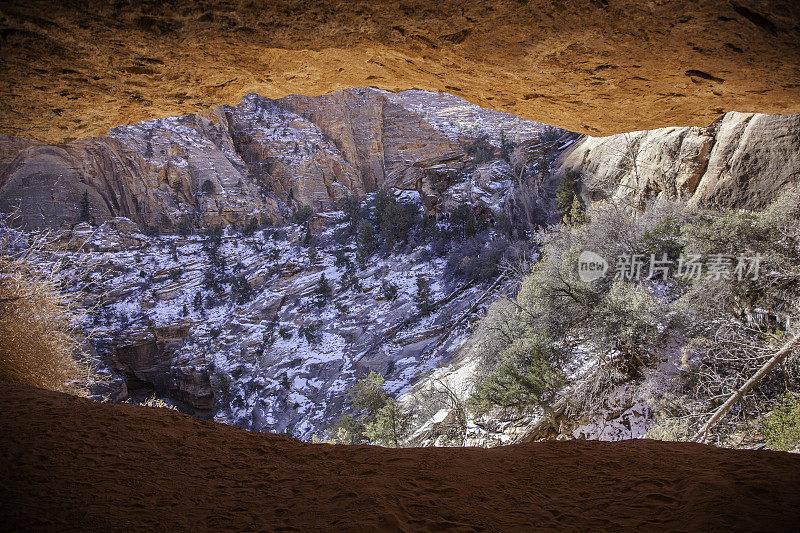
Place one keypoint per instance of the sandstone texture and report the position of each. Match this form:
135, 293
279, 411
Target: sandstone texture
278, 361
68, 462
75, 70
742, 160
263, 159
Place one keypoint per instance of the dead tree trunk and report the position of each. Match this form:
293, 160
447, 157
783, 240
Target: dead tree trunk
779, 357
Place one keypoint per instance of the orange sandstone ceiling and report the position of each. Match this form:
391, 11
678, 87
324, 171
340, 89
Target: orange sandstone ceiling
74, 69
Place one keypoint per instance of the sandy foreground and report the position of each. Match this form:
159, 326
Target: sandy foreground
73, 464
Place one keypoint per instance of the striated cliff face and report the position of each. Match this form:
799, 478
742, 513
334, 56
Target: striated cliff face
278, 360
742, 160
265, 158
260, 158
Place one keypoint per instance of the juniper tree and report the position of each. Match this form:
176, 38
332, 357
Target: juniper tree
525, 379
566, 192
323, 290
424, 296
376, 418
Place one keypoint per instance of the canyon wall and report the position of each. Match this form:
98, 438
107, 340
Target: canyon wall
261, 158
742, 160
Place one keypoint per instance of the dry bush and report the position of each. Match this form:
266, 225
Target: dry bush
154, 401
444, 393
39, 345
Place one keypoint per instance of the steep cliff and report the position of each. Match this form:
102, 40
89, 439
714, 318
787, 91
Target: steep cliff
265, 158
742, 160
261, 158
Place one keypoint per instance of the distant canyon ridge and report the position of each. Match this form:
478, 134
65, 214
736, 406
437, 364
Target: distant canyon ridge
265, 158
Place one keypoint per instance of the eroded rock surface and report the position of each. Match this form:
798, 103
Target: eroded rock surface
602, 67
742, 160
261, 158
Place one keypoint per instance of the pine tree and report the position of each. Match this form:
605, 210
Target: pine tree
323, 290
463, 222
423, 298
313, 255
352, 211
366, 241
197, 303
242, 291
308, 237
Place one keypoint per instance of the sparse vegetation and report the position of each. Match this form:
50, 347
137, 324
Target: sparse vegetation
310, 332
154, 401
480, 149
302, 214
208, 187
375, 417
39, 315
622, 321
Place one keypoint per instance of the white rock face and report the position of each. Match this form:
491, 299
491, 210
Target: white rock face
278, 361
743, 160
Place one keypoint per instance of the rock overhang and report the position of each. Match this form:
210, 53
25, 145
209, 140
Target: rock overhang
591, 67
